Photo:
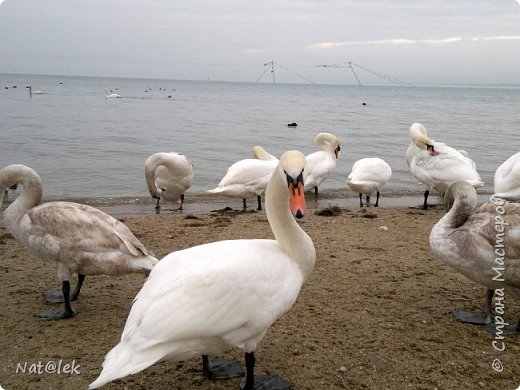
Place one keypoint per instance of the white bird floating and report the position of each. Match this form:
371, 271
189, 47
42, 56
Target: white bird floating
368, 175
247, 178
437, 165
34, 92
110, 94
507, 179
213, 297
466, 239
75, 238
168, 177
321, 163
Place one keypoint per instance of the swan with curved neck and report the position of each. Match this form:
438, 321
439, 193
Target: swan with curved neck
437, 165
466, 238
168, 177
75, 238
321, 163
507, 179
213, 297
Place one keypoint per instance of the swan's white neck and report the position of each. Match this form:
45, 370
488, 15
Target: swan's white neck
289, 235
30, 197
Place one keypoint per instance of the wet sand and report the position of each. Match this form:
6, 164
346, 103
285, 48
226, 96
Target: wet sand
375, 313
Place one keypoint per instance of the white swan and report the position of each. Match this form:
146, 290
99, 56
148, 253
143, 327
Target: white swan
507, 179
75, 238
416, 130
261, 154
34, 92
437, 165
368, 175
212, 297
110, 94
480, 242
246, 178
168, 176
321, 163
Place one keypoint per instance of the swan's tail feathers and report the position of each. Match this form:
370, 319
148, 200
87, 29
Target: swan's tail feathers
476, 183
124, 360
148, 262
215, 190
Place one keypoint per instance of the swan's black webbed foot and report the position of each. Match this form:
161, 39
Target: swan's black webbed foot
221, 369
471, 317
265, 382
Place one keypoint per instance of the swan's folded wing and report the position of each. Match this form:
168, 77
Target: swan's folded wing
193, 294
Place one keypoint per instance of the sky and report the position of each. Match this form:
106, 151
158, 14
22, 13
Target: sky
414, 41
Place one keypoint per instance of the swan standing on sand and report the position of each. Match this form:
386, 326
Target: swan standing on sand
76, 238
247, 178
212, 297
437, 165
321, 163
466, 238
168, 176
507, 179
368, 175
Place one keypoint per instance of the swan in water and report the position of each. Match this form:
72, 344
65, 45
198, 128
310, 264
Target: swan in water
168, 176
437, 165
110, 94
321, 163
507, 179
247, 178
368, 175
212, 297
466, 238
34, 92
75, 238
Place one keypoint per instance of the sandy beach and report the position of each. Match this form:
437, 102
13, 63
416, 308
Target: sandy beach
375, 313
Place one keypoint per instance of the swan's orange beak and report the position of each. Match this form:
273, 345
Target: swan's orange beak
336, 152
296, 197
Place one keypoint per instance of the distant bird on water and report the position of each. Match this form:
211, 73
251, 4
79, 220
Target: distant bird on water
76, 238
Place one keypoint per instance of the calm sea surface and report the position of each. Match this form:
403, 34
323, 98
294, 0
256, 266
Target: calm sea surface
85, 146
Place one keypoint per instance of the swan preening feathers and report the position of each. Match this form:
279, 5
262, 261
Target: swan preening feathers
321, 163
75, 238
209, 298
437, 165
480, 242
168, 176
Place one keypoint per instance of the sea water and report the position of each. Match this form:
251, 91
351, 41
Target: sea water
85, 145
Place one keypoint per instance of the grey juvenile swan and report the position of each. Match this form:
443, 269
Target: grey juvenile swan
74, 238
483, 243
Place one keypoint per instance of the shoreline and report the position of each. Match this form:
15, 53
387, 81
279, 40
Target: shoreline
203, 203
